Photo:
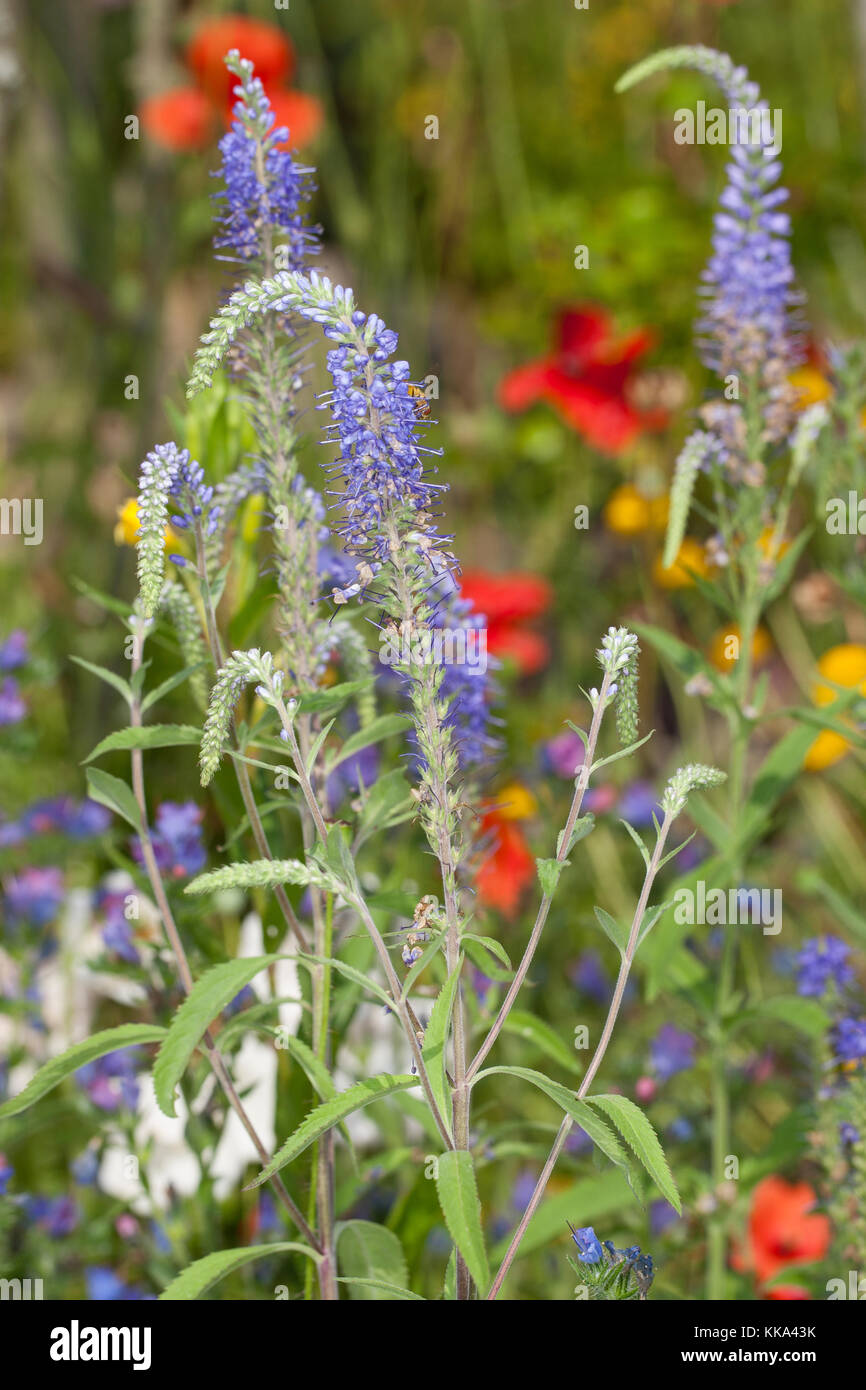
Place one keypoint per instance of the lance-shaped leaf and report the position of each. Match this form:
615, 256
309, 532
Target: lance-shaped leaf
458, 1198
209, 997
371, 1258
435, 1038
598, 1131
55, 1071
200, 1276
116, 795
639, 1134
330, 1113
148, 736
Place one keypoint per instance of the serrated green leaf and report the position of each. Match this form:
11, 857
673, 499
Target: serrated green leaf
371, 1258
99, 1045
116, 795
209, 996
545, 1038
458, 1198
435, 1040
200, 1276
639, 1134
549, 871
149, 736
325, 1116
579, 1110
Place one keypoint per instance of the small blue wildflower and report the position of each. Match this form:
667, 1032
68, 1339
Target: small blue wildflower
85, 1168
111, 1081
13, 707
13, 651
821, 962
849, 1039
177, 839
848, 1134
589, 1250
34, 896
671, 1051
58, 1216
7, 1172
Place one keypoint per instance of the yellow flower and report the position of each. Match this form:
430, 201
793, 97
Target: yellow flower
766, 547
845, 665
722, 649
516, 802
811, 387
690, 556
127, 528
626, 512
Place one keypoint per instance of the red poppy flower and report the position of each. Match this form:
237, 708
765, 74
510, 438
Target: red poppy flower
266, 46
585, 379
508, 601
179, 120
186, 118
509, 866
782, 1230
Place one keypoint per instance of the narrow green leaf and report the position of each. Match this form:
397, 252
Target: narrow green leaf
542, 1036
435, 1040
200, 1276
99, 1045
371, 1258
325, 1116
209, 996
110, 677
381, 728
116, 795
612, 929
548, 874
579, 1110
393, 1290
170, 684
639, 1134
150, 736
806, 1015
458, 1198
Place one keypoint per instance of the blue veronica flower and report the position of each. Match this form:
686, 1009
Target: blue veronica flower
34, 896
13, 708
13, 651
264, 185
671, 1051
849, 1039
821, 962
589, 1250
748, 283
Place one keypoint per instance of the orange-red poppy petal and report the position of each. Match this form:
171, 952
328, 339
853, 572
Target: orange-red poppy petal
178, 120
266, 46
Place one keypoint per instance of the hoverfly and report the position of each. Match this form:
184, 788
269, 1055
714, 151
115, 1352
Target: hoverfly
421, 403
